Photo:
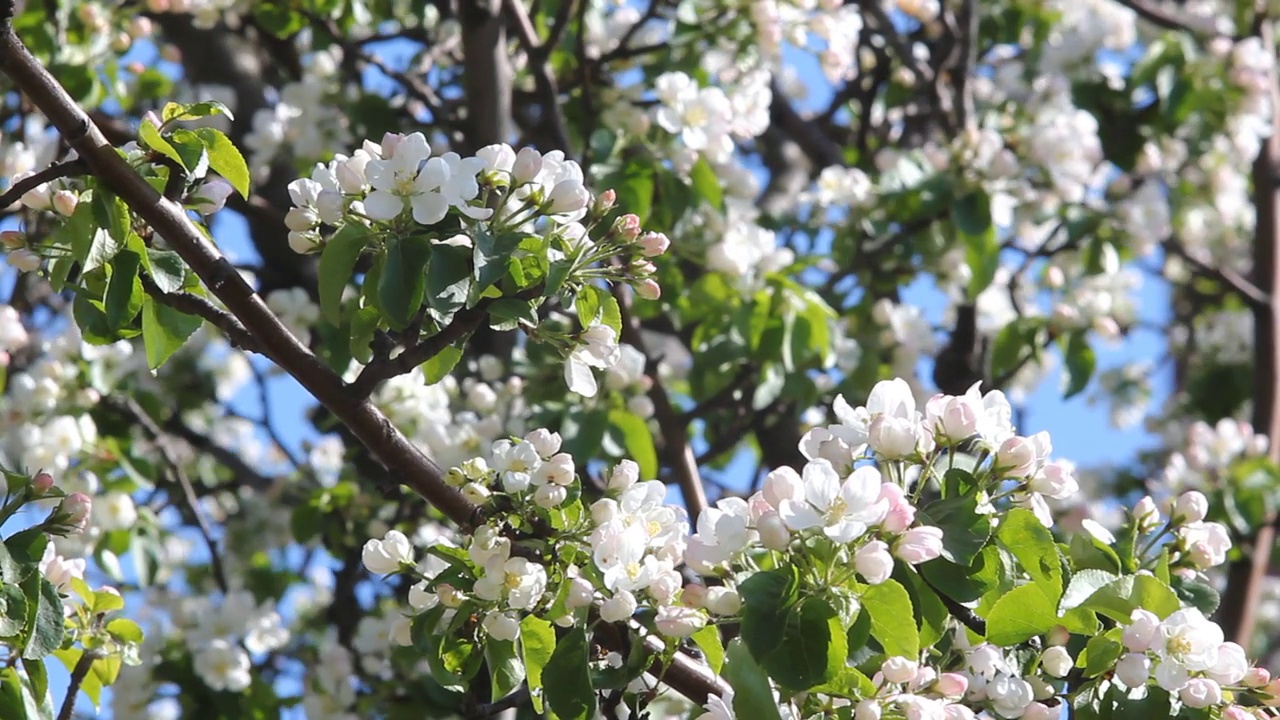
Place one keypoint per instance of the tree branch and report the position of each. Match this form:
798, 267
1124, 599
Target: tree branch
1247, 291
192, 304
78, 673
69, 168
553, 116
382, 368
675, 433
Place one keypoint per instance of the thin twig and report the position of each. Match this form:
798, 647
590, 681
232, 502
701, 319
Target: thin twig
542, 74
67, 169
130, 407
675, 432
78, 673
1247, 291
193, 304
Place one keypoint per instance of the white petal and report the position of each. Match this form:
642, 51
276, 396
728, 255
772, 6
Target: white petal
381, 205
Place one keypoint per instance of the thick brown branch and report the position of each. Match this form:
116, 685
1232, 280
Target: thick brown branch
276, 342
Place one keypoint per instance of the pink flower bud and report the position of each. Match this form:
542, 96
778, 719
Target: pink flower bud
24, 260
653, 244
952, 685
527, 165
694, 595
42, 482
919, 545
65, 202
13, 239
1256, 677
76, 507
649, 289
567, 196
628, 226
1017, 457
901, 512
607, 199
140, 27
773, 532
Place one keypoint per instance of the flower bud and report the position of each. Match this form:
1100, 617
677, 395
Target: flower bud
1017, 457
545, 442
550, 496
678, 621
607, 199
501, 626
477, 493
527, 166
867, 710
1141, 630
1040, 711
604, 510
390, 141
1056, 661
628, 226
1133, 669
873, 562
773, 532
121, 42
1256, 677
42, 482
170, 53
1200, 693
13, 239
952, 685
625, 474
212, 196
450, 596
76, 507
898, 670
580, 594
65, 202
140, 27
648, 289
919, 544
723, 601
1190, 507
618, 608
653, 244
1146, 515
567, 196
300, 219
24, 260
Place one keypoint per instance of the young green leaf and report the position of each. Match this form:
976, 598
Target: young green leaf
337, 263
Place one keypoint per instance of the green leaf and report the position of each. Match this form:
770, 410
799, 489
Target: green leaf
442, 364
766, 599
179, 112
225, 159
965, 584
1100, 653
489, 259
1032, 543
124, 294
709, 642
752, 691
610, 313
448, 280
1199, 595
972, 214
587, 305
1084, 583
337, 264
892, 618
150, 136
166, 268
964, 530
44, 629
637, 440
506, 672
38, 676
124, 629
1081, 362
13, 610
1023, 613
164, 331
634, 188
190, 147
404, 280
706, 183
537, 643
566, 680
1119, 598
